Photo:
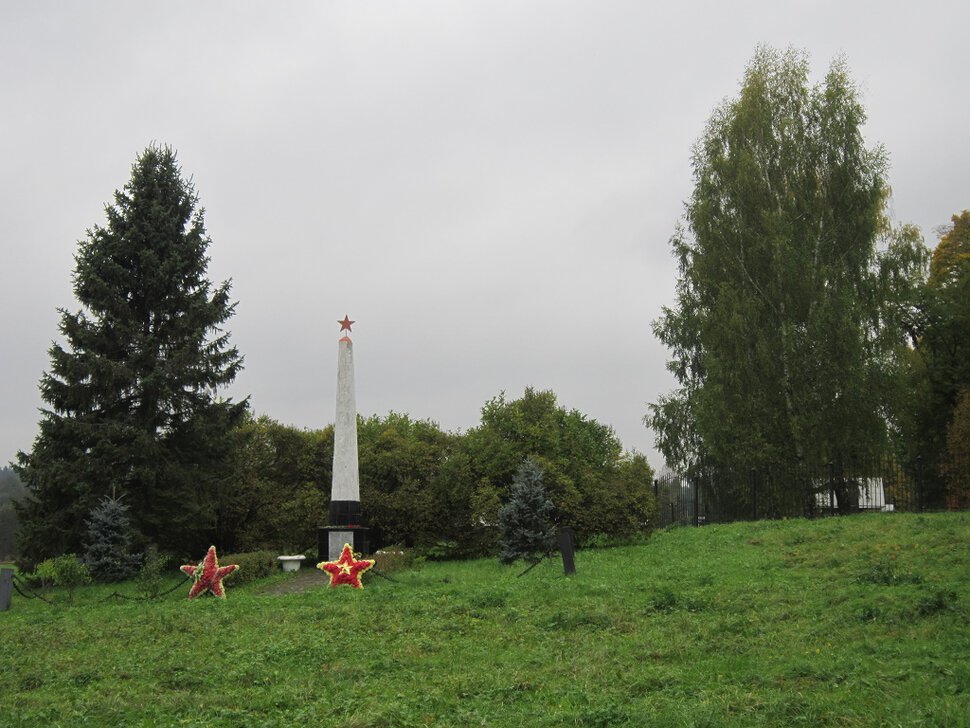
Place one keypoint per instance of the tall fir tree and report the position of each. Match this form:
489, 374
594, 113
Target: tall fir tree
132, 390
528, 531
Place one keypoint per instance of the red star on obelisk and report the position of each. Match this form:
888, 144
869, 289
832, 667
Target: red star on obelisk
208, 575
346, 323
346, 569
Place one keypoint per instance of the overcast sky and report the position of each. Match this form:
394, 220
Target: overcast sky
487, 188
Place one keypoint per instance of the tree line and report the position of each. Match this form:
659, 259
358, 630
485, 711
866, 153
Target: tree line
807, 327
134, 417
421, 487
438, 491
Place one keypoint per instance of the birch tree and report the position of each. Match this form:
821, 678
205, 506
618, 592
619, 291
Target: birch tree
783, 341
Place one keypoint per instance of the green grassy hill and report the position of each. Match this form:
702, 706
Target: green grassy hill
858, 621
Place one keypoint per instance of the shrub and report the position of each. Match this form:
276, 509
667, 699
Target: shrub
149, 579
393, 558
253, 565
442, 551
42, 576
66, 571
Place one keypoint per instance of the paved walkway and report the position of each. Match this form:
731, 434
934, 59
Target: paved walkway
303, 580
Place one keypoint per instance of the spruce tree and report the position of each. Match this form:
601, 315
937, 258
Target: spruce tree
107, 556
526, 521
131, 391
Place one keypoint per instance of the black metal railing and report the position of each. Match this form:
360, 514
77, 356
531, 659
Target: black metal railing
720, 495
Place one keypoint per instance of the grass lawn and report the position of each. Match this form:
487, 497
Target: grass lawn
856, 621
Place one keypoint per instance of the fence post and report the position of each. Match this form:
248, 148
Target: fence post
6, 587
803, 477
567, 547
697, 492
656, 488
919, 483
672, 519
831, 488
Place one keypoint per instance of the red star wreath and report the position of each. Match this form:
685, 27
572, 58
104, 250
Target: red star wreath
208, 575
346, 569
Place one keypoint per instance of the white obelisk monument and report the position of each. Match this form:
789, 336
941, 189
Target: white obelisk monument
345, 517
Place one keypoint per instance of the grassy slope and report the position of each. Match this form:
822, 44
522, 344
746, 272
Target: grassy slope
849, 621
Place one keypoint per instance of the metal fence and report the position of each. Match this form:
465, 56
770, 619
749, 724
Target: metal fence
720, 495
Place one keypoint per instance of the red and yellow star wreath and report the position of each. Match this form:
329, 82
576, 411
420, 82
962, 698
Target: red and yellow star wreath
208, 575
346, 569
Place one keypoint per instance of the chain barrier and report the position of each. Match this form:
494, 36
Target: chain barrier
27, 593
21, 586
533, 565
165, 593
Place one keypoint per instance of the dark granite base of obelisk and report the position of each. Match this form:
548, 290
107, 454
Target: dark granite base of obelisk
331, 540
345, 512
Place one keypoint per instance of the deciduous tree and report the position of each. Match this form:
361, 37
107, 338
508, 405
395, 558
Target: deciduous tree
594, 487
942, 361
786, 334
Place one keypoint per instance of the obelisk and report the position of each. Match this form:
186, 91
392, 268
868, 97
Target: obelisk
345, 516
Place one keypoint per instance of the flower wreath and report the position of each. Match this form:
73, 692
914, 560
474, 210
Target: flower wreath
346, 570
208, 575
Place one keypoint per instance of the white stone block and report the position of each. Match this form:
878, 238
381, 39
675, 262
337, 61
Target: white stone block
336, 543
291, 563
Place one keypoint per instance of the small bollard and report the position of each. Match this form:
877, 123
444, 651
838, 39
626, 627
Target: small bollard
567, 547
6, 587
